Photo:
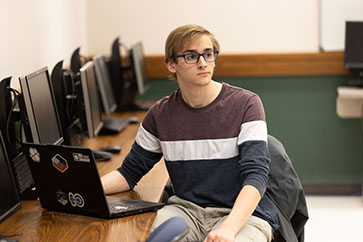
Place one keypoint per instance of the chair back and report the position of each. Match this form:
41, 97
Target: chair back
286, 193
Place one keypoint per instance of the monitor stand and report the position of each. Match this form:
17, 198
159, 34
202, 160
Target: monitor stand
73, 135
127, 102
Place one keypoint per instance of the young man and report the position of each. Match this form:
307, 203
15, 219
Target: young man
213, 137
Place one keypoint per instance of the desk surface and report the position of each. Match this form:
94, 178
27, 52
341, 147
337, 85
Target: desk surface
33, 223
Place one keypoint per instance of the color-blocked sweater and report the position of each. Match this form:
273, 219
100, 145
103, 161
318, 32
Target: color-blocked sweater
210, 152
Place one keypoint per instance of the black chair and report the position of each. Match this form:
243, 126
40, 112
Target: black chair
286, 193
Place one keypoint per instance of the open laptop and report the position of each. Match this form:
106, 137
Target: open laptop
67, 180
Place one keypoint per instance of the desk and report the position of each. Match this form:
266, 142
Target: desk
33, 223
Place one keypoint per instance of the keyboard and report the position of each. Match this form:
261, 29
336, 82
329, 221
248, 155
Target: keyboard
113, 126
22, 172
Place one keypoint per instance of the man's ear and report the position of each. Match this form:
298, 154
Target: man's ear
171, 66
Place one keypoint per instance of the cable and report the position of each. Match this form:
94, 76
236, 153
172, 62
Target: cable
20, 142
8, 121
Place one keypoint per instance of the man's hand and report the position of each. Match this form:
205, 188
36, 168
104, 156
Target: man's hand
220, 235
243, 207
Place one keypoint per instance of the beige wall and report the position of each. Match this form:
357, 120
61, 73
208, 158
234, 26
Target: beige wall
333, 15
39, 33
241, 26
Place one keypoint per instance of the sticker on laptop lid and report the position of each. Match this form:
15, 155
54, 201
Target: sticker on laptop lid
61, 197
34, 154
76, 200
81, 157
60, 163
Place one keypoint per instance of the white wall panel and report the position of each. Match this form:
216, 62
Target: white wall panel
39, 33
241, 26
333, 14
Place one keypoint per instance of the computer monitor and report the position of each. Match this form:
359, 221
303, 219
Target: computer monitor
9, 199
104, 85
92, 106
353, 54
122, 79
115, 71
39, 109
65, 93
138, 64
11, 130
7, 126
77, 61
59, 93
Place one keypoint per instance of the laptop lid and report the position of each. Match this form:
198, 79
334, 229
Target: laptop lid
67, 180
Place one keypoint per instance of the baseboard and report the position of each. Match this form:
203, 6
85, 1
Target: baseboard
347, 189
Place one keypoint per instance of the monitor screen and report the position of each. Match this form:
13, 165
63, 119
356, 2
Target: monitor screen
353, 54
9, 199
91, 101
104, 85
41, 108
139, 67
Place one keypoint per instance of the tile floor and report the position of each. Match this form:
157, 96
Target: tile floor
334, 219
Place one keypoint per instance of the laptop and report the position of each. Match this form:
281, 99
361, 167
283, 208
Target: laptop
67, 180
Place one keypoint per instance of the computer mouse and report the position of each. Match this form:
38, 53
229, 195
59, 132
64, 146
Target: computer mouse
112, 149
133, 120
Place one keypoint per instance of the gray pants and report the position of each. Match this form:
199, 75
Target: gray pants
203, 220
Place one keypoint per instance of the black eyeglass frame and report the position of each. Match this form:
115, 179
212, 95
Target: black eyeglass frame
216, 52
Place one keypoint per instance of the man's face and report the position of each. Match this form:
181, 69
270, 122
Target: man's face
198, 74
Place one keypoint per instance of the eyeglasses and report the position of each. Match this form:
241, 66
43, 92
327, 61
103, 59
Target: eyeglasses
193, 58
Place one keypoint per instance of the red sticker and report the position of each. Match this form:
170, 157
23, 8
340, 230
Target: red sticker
60, 163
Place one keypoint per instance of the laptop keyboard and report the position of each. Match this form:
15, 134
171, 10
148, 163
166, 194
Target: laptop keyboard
117, 205
124, 207
118, 208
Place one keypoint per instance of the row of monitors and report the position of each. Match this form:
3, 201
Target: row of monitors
50, 105
41, 103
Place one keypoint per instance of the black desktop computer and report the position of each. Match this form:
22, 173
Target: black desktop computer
65, 93
10, 124
127, 75
353, 53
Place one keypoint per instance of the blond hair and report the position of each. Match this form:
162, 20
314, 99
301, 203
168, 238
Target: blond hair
181, 36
